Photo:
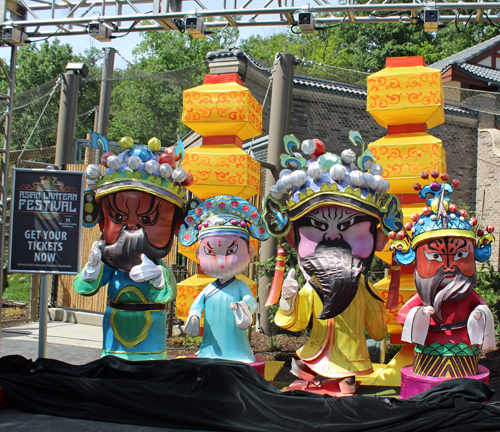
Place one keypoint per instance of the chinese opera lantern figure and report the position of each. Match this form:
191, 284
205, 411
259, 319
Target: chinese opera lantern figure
140, 200
223, 226
447, 320
333, 217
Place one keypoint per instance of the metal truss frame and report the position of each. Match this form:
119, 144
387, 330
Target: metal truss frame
124, 16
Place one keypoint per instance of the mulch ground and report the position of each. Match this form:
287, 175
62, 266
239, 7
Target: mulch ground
268, 349
281, 347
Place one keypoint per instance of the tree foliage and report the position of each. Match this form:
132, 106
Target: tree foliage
365, 47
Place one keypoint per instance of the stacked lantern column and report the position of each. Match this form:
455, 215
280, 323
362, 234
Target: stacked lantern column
406, 98
224, 113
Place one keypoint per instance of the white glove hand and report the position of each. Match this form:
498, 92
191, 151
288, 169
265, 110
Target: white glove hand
476, 314
193, 326
91, 271
95, 255
147, 271
428, 310
242, 314
290, 286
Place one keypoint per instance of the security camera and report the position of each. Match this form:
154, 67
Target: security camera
431, 19
14, 36
306, 22
100, 32
195, 27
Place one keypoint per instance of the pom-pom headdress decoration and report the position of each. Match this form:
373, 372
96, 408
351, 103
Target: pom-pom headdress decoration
315, 178
221, 215
439, 218
137, 168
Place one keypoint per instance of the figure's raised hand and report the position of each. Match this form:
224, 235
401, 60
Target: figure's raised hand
476, 314
429, 310
242, 314
95, 255
290, 286
148, 271
93, 268
193, 326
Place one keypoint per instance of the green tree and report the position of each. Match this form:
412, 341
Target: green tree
365, 47
39, 63
146, 107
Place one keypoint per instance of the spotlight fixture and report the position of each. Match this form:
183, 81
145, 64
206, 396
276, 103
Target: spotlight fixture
431, 19
306, 22
100, 32
195, 27
14, 36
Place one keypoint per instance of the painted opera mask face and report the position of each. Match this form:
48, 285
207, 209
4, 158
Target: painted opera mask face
224, 256
136, 222
445, 270
335, 245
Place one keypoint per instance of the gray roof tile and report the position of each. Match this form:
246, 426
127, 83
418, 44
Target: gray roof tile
484, 72
467, 54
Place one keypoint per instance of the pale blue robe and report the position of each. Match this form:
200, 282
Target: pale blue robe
221, 336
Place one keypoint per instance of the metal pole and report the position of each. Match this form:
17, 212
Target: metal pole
106, 86
92, 155
279, 126
67, 118
42, 328
5, 168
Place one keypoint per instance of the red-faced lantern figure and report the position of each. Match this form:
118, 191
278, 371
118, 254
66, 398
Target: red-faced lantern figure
138, 203
447, 320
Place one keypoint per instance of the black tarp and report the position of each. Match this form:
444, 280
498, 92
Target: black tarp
222, 395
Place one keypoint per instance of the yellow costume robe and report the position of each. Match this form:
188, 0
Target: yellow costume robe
337, 346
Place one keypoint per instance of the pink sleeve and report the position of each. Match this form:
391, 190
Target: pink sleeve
403, 312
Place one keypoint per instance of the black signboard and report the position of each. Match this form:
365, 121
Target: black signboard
46, 221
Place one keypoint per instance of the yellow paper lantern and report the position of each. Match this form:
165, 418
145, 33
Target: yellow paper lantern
222, 109
405, 156
188, 290
407, 93
222, 170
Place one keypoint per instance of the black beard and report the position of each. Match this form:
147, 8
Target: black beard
459, 287
338, 272
126, 252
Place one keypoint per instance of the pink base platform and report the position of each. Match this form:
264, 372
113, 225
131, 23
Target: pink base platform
259, 365
413, 384
326, 387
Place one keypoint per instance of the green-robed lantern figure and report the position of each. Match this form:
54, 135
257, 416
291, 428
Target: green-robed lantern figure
138, 203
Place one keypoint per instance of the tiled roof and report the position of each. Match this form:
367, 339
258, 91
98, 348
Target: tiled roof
466, 55
329, 85
484, 72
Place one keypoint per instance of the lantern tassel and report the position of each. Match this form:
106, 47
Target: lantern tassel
275, 290
393, 296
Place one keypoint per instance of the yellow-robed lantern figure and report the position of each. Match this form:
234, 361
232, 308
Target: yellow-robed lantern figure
407, 98
224, 113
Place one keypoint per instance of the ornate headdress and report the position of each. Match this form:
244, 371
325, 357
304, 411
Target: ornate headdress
325, 178
137, 168
221, 215
439, 218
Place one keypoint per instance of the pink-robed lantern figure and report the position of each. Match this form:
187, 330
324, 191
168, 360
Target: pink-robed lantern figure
223, 226
447, 320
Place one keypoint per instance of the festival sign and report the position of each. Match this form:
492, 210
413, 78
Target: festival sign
46, 215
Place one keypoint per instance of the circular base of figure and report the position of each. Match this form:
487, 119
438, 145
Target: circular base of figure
413, 384
259, 365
